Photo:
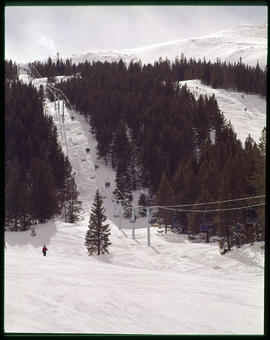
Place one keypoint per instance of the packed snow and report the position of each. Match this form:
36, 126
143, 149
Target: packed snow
247, 42
173, 286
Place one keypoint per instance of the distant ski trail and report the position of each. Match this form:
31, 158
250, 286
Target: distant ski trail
232, 104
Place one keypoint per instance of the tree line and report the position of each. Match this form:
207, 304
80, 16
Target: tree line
39, 181
235, 76
54, 68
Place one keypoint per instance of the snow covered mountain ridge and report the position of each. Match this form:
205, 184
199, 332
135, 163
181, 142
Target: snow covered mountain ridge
247, 42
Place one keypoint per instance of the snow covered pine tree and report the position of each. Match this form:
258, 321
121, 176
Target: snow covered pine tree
97, 236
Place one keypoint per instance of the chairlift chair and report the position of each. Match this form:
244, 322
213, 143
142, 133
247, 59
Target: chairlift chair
132, 219
116, 212
151, 220
103, 193
239, 227
116, 208
176, 221
208, 220
251, 216
203, 228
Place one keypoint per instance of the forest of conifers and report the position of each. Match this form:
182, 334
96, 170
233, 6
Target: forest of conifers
38, 177
156, 135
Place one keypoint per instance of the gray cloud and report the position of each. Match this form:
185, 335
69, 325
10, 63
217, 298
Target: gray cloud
39, 31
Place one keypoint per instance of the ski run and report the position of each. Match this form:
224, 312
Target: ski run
173, 286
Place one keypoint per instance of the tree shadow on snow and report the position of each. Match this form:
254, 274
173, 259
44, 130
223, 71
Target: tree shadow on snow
174, 238
44, 233
155, 250
123, 233
106, 258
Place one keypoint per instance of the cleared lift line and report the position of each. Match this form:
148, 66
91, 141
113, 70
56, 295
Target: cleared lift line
33, 73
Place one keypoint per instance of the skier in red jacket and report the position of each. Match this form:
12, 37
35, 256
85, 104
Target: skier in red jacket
44, 249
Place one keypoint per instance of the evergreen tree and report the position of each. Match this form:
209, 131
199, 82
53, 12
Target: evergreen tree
11, 149
258, 181
164, 197
121, 145
97, 236
195, 218
123, 181
68, 193
11, 70
104, 139
12, 197
73, 206
24, 205
225, 220
43, 192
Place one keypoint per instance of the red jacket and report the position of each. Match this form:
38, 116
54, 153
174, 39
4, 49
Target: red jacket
44, 249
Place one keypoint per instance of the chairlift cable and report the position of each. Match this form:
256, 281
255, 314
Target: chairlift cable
207, 203
211, 210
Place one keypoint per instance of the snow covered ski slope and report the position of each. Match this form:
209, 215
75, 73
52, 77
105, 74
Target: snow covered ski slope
247, 112
172, 287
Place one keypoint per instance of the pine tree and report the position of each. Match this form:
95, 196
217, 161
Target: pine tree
226, 220
222, 220
43, 192
164, 197
12, 197
24, 205
258, 182
123, 181
73, 206
194, 218
120, 146
97, 236
104, 139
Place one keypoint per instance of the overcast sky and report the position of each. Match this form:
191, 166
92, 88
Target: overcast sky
36, 32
